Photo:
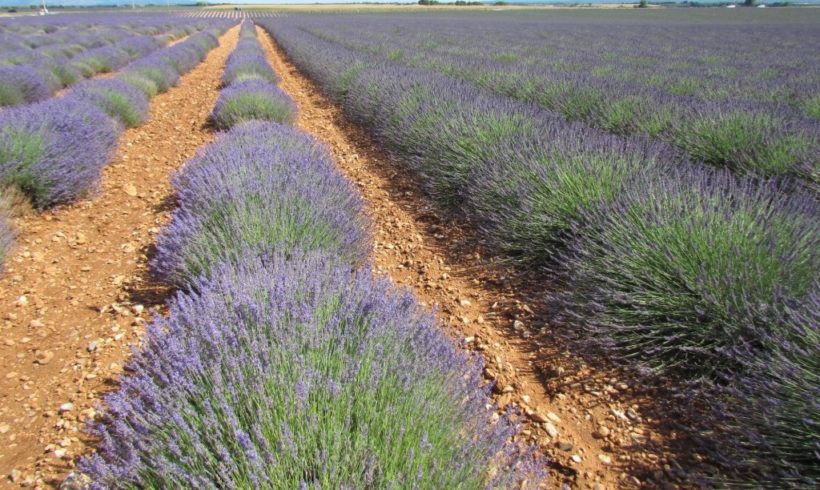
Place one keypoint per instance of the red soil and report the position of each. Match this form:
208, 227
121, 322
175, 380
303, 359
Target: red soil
76, 291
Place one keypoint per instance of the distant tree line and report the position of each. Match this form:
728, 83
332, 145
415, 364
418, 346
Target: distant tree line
457, 2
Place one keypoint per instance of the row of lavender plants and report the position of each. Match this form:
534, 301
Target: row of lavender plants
53, 151
282, 362
755, 112
251, 91
32, 69
676, 268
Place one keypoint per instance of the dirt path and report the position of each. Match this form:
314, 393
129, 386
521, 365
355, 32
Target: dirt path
593, 425
76, 291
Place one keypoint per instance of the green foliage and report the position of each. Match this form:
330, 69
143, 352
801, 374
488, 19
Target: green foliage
153, 74
248, 107
744, 141
120, 108
698, 265
22, 150
141, 82
11, 95
63, 73
811, 106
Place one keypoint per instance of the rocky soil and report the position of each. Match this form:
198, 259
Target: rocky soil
76, 291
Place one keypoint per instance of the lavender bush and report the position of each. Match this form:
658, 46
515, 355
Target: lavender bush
771, 411
752, 142
703, 261
120, 100
293, 372
81, 50
100, 60
248, 61
627, 79
713, 279
53, 151
21, 85
160, 70
669, 265
150, 75
265, 187
250, 100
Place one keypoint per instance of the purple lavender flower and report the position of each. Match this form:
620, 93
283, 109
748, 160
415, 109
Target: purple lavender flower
53, 151
311, 306
265, 187
120, 100
21, 85
250, 100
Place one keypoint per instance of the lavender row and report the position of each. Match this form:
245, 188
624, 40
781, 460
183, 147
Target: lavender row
36, 75
673, 267
752, 113
54, 151
280, 366
251, 93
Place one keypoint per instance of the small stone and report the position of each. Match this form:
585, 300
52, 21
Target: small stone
518, 325
553, 417
4, 428
75, 481
22, 301
565, 446
632, 414
603, 431
36, 324
66, 407
538, 417
576, 458
605, 459
130, 189
619, 414
92, 346
60, 453
464, 302
43, 357
598, 486
551, 430
15, 474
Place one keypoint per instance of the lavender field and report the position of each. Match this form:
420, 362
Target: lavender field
662, 171
658, 172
